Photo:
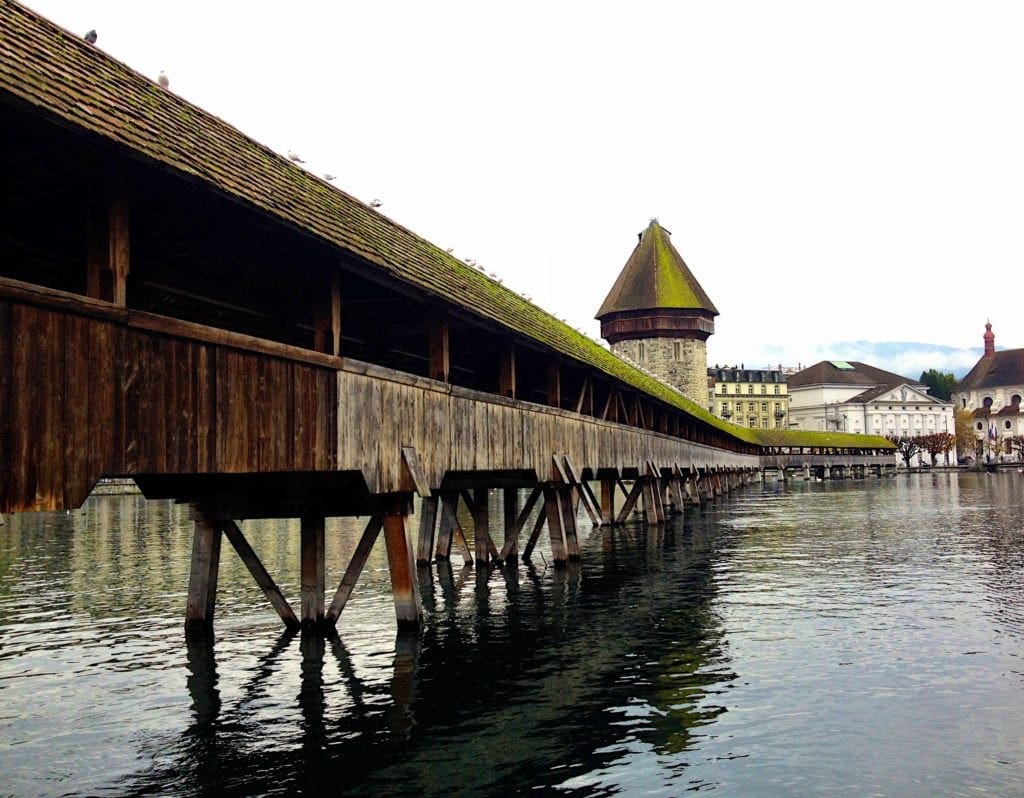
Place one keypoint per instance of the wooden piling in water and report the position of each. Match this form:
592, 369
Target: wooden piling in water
428, 526
404, 588
202, 580
313, 572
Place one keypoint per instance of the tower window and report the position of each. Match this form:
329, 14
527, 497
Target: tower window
677, 350
640, 351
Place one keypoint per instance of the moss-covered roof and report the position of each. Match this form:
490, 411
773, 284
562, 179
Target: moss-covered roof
656, 277
82, 87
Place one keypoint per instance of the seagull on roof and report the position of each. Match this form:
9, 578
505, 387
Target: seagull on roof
294, 157
162, 80
375, 203
329, 177
90, 37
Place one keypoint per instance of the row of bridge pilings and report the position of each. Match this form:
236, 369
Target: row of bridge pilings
652, 497
828, 471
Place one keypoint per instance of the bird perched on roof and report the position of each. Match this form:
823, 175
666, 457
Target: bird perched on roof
90, 37
162, 80
329, 177
294, 157
375, 203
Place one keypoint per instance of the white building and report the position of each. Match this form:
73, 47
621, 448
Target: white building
992, 391
838, 396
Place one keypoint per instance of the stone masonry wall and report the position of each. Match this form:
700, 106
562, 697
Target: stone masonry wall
688, 372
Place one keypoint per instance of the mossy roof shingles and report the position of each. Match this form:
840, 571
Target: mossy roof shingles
656, 277
57, 72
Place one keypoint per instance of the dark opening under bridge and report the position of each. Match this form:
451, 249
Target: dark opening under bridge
182, 306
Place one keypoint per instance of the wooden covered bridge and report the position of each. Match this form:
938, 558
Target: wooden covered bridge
183, 306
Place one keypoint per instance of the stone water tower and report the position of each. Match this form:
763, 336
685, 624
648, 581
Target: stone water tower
658, 316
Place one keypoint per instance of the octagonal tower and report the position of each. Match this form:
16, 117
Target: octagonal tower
658, 316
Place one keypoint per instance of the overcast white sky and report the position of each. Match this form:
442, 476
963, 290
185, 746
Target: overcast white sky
830, 171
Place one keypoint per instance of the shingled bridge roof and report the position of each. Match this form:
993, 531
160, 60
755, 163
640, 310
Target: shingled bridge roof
79, 86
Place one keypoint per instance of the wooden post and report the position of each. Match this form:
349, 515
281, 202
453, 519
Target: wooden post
510, 546
428, 523
313, 572
355, 567
507, 372
439, 345
108, 242
650, 497
446, 528
551, 508
404, 588
554, 384
259, 573
569, 530
607, 501
481, 525
478, 508
327, 319
202, 580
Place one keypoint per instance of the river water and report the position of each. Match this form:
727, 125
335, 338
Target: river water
848, 638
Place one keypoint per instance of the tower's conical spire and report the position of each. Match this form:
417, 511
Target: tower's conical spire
656, 277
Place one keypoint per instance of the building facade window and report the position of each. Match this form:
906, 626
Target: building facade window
677, 350
640, 351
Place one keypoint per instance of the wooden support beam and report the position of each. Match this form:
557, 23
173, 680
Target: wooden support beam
507, 372
584, 388
510, 505
538, 525
610, 412
108, 241
484, 545
354, 569
553, 511
259, 573
569, 530
450, 530
607, 501
404, 587
327, 318
554, 384
508, 550
413, 478
313, 571
591, 504
631, 499
439, 346
428, 525
650, 508
202, 580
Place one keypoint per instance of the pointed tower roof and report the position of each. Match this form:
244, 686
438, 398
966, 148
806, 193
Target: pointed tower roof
656, 277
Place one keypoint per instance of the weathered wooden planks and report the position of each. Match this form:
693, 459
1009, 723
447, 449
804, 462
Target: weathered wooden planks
95, 397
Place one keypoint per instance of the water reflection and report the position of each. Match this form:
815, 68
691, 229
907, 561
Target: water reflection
782, 628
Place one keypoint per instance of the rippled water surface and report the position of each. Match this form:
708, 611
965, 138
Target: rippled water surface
849, 638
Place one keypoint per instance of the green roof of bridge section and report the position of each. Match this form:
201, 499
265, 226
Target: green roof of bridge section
57, 72
656, 276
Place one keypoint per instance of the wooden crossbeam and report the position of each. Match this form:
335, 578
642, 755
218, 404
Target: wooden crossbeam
354, 569
259, 573
538, 525
508, 550
632, 497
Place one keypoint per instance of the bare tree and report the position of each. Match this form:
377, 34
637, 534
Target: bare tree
938, 443
906, 447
